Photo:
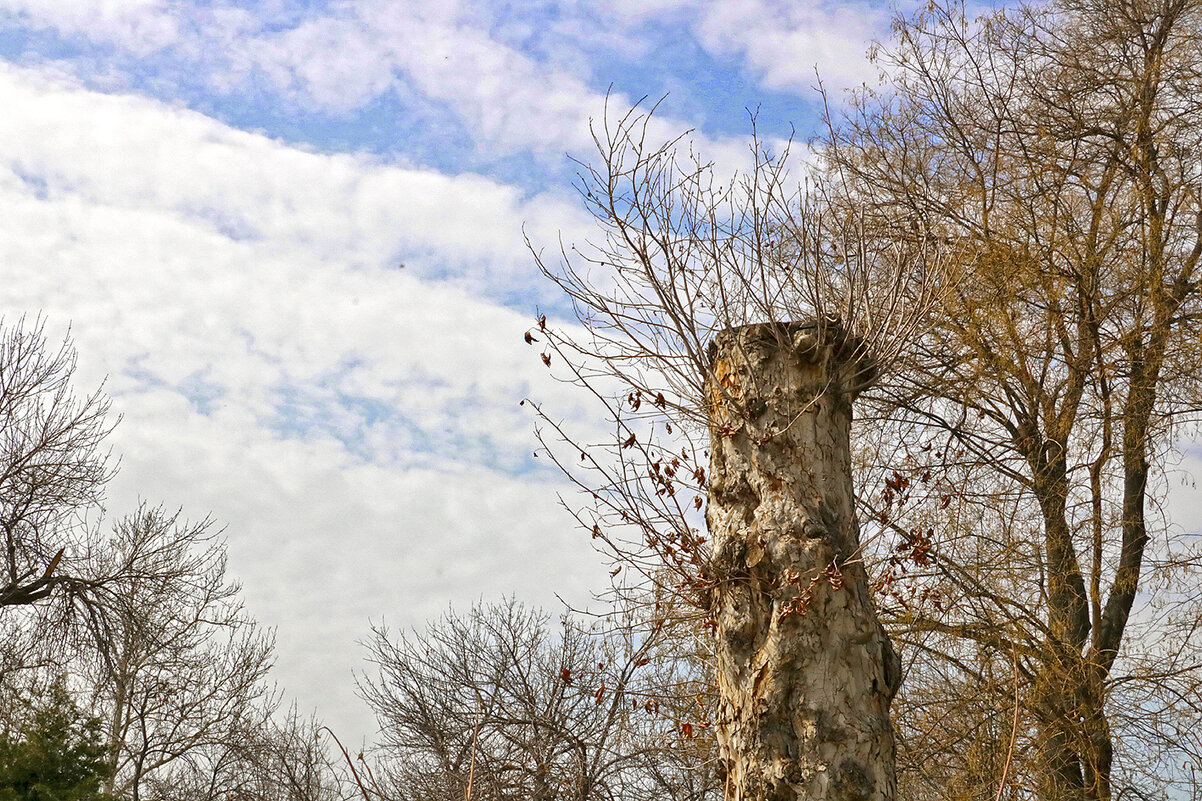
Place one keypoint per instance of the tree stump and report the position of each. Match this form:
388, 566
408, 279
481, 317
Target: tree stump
805, 670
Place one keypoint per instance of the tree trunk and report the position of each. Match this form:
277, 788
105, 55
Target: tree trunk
805, 670
1073, 737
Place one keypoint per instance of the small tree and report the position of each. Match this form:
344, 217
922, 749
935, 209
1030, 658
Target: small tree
182, 678
498, 704
56, 755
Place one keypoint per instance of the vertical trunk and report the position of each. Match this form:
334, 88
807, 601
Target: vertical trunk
1060, 774
1074, 741
1098, 746
1058, 700
118, 721
805, 670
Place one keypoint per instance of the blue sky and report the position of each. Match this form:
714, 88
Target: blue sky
216, 197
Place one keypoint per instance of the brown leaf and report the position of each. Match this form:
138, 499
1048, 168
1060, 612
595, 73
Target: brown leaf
630, 442
566, 676
529, 339
547, 359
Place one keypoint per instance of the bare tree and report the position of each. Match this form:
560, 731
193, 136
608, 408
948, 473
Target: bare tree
289, 761
182, 679
1058, 146
53, 466
143, 622
727, 327
282, 759
497, 704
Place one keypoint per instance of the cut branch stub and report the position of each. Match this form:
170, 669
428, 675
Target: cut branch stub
805, 670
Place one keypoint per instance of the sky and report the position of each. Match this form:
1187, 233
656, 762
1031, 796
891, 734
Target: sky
287, 236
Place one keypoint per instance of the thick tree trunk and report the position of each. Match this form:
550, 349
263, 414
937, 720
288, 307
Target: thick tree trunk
1060, 774
1073, 736
805, 670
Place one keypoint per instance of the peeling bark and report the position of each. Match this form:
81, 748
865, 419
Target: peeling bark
805, 670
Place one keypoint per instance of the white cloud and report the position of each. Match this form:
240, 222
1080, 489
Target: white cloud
139, 26
249, 187
785, 45
355, 425
518, 80
324, 545
788, 45
335, 63
508, 100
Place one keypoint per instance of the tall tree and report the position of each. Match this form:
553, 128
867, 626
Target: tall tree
1058, 146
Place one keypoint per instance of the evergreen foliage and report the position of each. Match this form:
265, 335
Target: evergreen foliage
56, 755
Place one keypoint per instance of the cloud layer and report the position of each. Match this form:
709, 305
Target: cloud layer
354, 422
289, 238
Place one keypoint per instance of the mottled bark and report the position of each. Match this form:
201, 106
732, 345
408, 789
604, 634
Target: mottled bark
805, 670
